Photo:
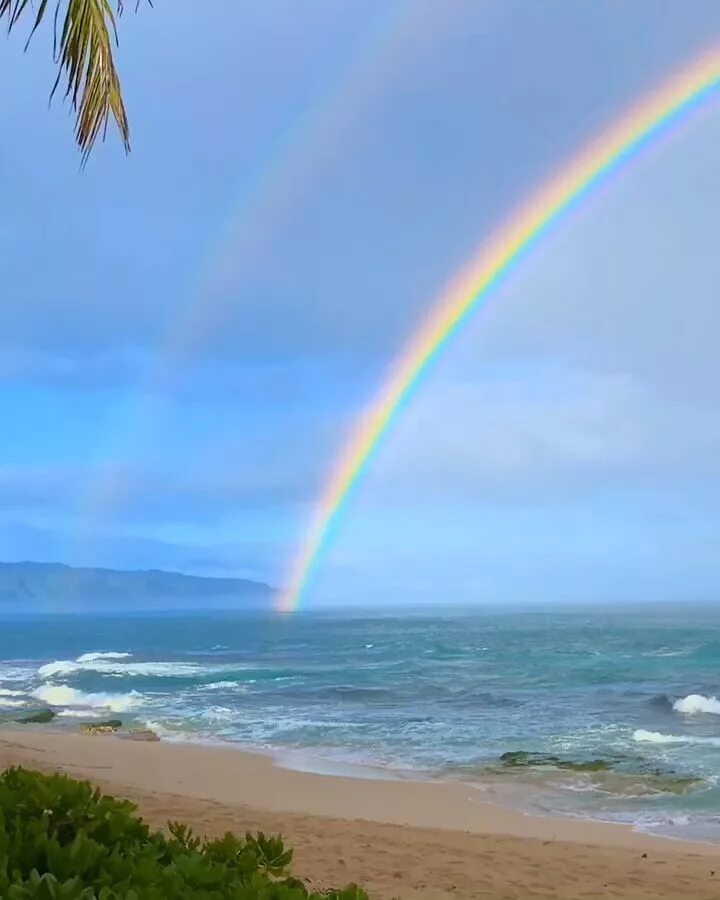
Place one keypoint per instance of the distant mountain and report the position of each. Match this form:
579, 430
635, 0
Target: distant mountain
32, 585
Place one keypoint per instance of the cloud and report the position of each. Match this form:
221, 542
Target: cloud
543, 434
355, 264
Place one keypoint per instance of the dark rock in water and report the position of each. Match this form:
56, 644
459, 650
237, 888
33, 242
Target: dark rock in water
525, 759
38, 718
108, 727
628, 775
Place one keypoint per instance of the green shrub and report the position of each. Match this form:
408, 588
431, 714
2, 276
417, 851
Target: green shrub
61, 839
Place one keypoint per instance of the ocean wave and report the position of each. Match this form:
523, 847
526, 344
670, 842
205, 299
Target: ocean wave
7, 703
659, 701
219, 714
5, 692
159, 730
116, 667
110, 654
657, 737
15, 673
238, 686
697, 703
62, 695
59, 667
80, 714
709, 650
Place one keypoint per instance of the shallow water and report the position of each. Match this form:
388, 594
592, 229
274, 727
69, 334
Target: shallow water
444, 694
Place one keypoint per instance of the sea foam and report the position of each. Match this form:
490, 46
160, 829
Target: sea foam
657, 737
697, 703
118, 668
111, 654
61, 695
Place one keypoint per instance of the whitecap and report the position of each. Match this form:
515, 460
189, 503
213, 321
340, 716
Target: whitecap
61, 695
6, 703
80, 714
657, 737
4, 692
59, 667
219, 714
697, 703
237, 686
118, 668
110, 654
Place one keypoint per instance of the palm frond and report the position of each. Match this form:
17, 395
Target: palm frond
84, 54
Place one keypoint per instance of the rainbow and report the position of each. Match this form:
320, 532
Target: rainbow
476, 282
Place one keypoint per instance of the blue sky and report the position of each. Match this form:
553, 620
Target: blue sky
187, 334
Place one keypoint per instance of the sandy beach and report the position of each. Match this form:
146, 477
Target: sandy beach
399, 838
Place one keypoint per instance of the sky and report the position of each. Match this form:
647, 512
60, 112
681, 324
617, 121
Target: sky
188, 334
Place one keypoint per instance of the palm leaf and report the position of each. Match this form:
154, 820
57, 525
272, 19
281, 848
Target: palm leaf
84, 39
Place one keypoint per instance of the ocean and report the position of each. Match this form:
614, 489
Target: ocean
609, 714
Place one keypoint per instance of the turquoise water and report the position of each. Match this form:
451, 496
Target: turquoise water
623, 699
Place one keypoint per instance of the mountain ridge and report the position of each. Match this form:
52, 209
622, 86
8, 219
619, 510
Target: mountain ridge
57, 584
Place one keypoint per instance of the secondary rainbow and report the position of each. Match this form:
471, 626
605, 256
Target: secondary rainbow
267, 197
475, 283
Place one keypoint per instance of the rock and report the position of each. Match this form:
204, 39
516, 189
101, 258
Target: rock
39, 718
108, 727
141, 734
516, 759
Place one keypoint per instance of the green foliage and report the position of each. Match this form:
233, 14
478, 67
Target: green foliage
61, 839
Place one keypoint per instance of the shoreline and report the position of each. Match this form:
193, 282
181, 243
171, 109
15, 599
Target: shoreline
316, 786
400, 838
516, 797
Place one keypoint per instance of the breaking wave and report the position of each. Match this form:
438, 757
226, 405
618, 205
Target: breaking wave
697, 703
237, 686
657, 737
115, 666
61, 695
92, 657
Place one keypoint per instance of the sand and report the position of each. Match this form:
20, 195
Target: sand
399, 838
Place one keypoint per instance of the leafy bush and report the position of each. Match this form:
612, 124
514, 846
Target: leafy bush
61, 839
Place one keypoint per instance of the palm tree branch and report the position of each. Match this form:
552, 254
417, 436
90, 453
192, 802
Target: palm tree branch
84, 54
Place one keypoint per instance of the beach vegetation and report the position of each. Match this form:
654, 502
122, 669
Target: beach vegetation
62, 839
